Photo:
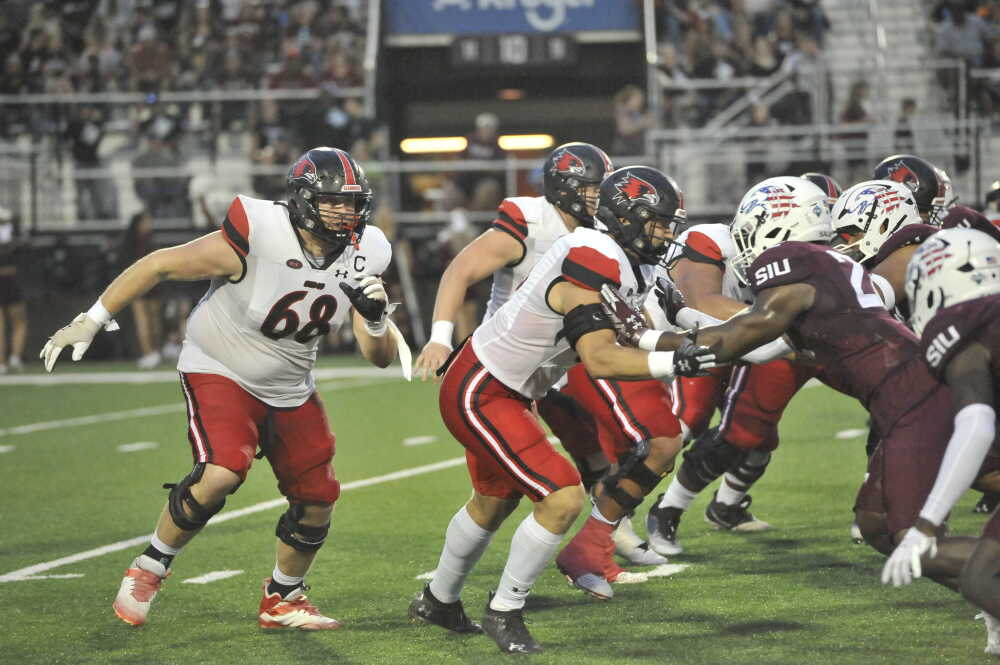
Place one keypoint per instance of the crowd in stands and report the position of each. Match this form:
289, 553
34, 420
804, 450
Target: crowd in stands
969, 30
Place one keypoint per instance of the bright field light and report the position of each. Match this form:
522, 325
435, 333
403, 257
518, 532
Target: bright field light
526, 141
433, 144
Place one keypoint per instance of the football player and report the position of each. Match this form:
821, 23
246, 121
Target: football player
284, 274
523, 231
828, 304
827, 184
930, 185
953, 283
514, 357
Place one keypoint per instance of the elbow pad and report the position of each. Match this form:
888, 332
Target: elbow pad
885, 290
584, 319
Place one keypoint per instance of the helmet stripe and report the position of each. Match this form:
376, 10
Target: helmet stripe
350, 183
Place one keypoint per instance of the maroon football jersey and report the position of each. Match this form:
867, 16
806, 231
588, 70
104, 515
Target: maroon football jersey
967, 218
952, 328
863, 350
911, 234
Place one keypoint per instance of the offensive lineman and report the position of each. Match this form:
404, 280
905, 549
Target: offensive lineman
284, 274
514, 357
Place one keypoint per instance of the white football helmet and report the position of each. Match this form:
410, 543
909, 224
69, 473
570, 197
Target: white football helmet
776, 210
876, 208
952, 266
946, 199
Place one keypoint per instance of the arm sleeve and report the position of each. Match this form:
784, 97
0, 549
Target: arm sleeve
975, 427
510, 220
236, 227
773, 350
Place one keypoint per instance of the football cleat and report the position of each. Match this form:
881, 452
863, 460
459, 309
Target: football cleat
292, 611
661, 527
992, 634
450, 616
508, 630
632, 548
734, 518
856, 536
138, 589
587, 561
987, 503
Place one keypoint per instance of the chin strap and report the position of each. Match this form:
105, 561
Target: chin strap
403, 349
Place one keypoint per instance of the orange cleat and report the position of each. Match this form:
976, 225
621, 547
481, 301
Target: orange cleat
292, 611
137, 591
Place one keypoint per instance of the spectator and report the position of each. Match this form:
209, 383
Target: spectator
164, 196
756, 143
12, 304
94, 195
137, 243
904, 126
856, 142
963, 36
150, 63
482, 189
631, 121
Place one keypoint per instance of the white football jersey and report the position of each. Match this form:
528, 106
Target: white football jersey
262, 331
536, 224
523, 345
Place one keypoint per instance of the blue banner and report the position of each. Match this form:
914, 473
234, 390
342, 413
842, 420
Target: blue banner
470, 17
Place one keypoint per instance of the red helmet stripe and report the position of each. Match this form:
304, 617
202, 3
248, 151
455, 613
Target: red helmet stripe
350, 183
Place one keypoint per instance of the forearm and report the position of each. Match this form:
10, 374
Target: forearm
137, 280
715, 304
777, 348
734, 337
620, 362
975, 427
379, 351
455, 283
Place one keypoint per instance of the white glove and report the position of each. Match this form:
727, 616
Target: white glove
904, 564
80, 333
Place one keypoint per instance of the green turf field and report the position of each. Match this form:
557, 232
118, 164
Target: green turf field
801, 593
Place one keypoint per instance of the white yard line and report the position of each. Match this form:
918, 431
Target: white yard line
419, 440
138, 445
213, 576
27, 573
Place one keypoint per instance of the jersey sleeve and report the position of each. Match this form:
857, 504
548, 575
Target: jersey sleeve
966, 217
701, 248
590, 269
911, 234
236, 227
381, 250
952, 329
788, 263
510, 220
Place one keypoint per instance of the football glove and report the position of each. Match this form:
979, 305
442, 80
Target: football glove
629, 324
904, 564
690, 359
371, 301
670, 298
79, 333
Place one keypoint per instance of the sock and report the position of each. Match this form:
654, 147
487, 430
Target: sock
677, 496
731, 491
161, 552
597, 515
531, 549
282, 584
464, 543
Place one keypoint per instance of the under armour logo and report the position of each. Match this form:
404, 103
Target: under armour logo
683, 366
342, 274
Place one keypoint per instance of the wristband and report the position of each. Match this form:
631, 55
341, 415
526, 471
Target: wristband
99, 313
661, 364
376, 328
441, 332
648, 340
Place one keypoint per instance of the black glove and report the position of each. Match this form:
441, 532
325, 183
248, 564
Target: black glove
691, 359
670, 298
369, 298
629, 324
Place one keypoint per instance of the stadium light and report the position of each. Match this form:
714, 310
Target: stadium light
526, 141
416, 146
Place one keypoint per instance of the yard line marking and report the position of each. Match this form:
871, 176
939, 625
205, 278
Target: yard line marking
213, 576
110, 416
7, 449
663, 570
850, 433
25, 573
138, 445
65, 576
429, 575
419, 440
169, 376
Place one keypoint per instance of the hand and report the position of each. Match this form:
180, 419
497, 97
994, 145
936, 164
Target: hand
431, 359
670, 298
368, 298
629, 324
80, 333
904, 564
691, 359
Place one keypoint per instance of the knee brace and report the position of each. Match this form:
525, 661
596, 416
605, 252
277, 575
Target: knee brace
631, 467
751, 467
298, 536
710, 457
180, 496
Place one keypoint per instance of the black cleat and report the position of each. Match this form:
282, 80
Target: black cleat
661, 528
987, 503
508, 630
733, 518
450, 616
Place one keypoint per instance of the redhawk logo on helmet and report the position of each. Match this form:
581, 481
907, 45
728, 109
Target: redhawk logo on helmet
901, 173
304, 168
567, 162
634, 189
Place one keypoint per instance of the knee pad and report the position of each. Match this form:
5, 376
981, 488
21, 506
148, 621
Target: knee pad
631, 467
751, 467
298, 536
180, 496
711, 456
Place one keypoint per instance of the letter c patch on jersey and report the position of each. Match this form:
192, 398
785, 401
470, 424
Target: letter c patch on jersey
589, 269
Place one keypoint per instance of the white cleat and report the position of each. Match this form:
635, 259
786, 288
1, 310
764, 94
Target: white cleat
632, 548
592, 584
992, 634
856, 536
292, 611
138, 589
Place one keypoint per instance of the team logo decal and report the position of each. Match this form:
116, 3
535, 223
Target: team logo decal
293, 263
567, 162
634, 189
901, 173
304, 168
